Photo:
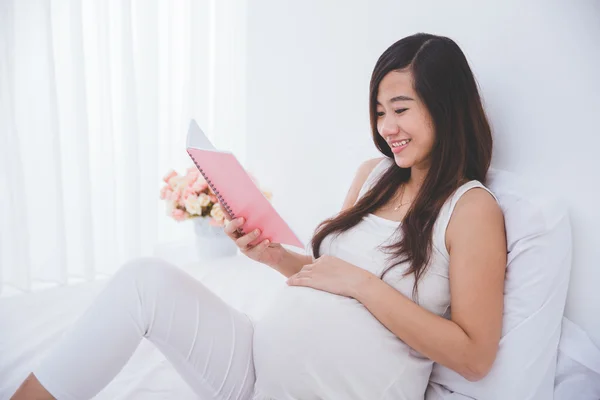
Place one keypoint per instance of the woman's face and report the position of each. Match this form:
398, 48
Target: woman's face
404, 121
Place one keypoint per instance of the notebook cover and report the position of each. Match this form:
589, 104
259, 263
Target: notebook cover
242, 196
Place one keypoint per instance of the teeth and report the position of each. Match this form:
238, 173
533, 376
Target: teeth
400, 143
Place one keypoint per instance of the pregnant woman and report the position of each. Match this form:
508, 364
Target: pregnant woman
408, 273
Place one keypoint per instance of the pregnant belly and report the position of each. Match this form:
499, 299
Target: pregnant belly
312, 344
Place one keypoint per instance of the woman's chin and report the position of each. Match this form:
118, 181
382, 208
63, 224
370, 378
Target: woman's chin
402, 162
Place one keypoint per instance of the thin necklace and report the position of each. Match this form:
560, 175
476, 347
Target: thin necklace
401, 197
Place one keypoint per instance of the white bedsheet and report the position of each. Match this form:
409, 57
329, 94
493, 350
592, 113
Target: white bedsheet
31, 324
578, 365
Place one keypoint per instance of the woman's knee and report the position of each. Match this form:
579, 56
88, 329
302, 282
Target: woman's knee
146, 269
153, 278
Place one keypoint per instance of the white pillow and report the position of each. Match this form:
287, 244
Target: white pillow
537, 278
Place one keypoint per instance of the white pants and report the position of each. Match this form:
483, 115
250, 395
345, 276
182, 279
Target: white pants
208, 342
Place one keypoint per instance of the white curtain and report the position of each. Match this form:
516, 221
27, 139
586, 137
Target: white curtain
95, 99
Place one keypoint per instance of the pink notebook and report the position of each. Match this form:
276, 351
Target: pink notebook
236, 191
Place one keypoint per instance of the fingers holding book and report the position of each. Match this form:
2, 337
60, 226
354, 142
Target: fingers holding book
231, 227
263, 251
242, 239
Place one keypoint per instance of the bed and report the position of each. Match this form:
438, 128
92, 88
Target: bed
31, 324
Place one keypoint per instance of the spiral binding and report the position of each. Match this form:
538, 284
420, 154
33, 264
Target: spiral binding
216, 192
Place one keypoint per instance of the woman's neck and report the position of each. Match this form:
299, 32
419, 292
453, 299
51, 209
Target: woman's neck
417, 177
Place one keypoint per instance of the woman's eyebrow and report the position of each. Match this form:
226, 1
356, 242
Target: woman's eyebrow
399, 98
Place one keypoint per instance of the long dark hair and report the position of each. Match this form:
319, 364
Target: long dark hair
462, 150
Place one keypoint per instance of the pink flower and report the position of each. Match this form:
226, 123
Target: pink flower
175, 182
213, 198
168, 193
187, 192
164, 192
174, 196
169, 175
199, 185
181, 200
192, 173
179, 215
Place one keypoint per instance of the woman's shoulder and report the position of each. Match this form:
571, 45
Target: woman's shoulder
367, 167
473, 202
370, 171
362, 177
473, 192
471, 195
470, 205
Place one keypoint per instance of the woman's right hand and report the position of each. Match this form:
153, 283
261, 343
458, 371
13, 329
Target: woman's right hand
264, 252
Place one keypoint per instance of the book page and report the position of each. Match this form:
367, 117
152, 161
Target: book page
197, 139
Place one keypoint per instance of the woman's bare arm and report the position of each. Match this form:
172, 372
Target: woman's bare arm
290, 262
468, 342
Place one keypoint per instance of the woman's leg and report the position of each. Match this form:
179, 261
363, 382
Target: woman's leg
208, 342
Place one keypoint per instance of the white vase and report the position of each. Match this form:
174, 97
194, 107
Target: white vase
211, 241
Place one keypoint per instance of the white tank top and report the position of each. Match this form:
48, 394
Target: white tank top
313, 344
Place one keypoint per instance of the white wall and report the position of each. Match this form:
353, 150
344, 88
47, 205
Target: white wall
309, 65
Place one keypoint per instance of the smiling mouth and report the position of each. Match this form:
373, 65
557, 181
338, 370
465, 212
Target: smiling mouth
400, 143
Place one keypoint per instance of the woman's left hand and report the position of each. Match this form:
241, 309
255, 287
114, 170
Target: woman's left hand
332, 275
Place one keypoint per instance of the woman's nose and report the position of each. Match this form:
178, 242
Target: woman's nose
388, 127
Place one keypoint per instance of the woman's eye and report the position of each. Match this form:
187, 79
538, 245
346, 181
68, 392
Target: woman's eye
399, 111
